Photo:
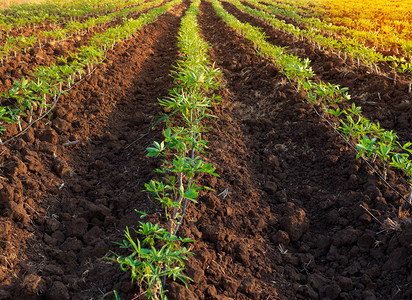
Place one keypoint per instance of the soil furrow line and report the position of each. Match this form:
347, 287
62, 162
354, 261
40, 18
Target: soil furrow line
271, 151
231, 249
24, 63
86, 193
380, 99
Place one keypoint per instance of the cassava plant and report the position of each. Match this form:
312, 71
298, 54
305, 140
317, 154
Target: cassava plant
158, 255
403, 162
372, 140
48, 81
161, 253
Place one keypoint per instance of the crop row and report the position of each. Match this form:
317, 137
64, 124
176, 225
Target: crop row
34, 15
371, 140
383, 23
390, 22
320, 19
294, 8
14, 45
325, 35
162, 253
34, 95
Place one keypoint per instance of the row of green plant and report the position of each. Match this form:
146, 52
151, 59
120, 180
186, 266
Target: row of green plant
158, 252
22, 43
32, 15
55, 7
347, 35
318, 33
32, 96
372, 141
389, 151
378, 22
325, 94
315, 31
303, 10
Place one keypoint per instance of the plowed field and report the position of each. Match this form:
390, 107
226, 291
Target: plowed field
294, 214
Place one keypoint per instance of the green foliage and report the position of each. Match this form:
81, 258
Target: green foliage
162, 256
22, 43
370, 140
47, 81
325, 35
189, 102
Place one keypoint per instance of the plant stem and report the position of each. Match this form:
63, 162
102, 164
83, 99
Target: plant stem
172, 220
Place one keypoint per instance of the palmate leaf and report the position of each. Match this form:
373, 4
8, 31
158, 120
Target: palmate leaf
367, 146
156, 150
336, 112
384, 150
191, 194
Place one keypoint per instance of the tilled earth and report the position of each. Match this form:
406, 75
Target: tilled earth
293, 222
23, 63
381, 100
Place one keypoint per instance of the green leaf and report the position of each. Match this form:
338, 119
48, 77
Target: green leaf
190, 194
142, 214
116, 295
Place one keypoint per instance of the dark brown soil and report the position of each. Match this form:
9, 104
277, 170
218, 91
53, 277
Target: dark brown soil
290, 227
72, 202
23, 64
26, 31
380, 99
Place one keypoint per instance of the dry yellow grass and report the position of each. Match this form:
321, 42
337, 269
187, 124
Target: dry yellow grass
6, 3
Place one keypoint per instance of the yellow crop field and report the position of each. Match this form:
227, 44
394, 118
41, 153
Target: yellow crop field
389, 19
8, 3
384, 23
377, 34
